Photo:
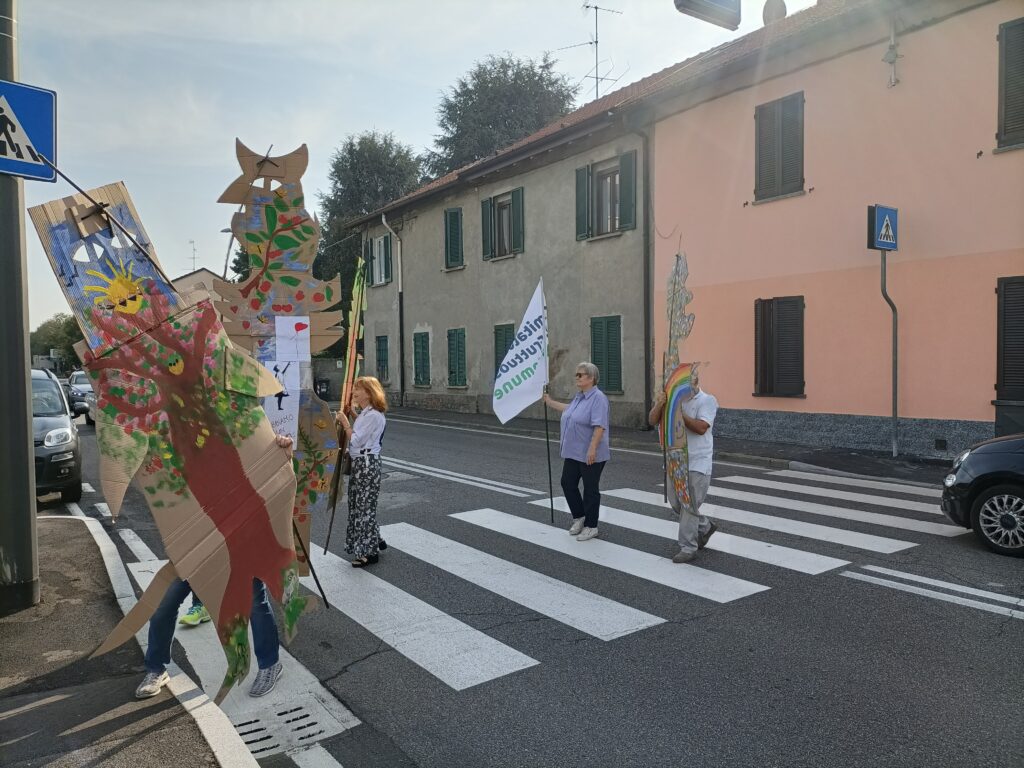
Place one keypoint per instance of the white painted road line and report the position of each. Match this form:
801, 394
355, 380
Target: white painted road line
136, 545
935, 595
86, 488
440, 475
1015, 601
74, 510
450, 473
593, 614
840, 513
828, 493
643, 565
102, 509
751, 549
853, 539
455, 653
858, 483
314, 757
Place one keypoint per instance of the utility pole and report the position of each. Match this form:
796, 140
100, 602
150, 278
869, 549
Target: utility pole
597, 74
193, 244
19, 564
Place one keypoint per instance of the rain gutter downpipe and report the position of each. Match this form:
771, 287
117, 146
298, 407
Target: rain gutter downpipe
647, 281
401, 313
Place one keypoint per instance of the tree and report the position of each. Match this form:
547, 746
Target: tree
499, 101
368, 171
59, 332
240, 265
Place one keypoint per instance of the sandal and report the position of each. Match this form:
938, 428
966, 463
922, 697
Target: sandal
362, 562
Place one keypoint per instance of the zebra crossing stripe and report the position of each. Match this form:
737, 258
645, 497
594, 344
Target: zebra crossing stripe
138, 547
876, 484
853, 539
593, 614
842, 513
943, 596
86, 488
643, 565
478, 482
102, 509
761, 551
829, 493
1015, 601
453, 652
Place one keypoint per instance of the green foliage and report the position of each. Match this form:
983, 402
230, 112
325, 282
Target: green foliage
240, 263
59, 332
501, 100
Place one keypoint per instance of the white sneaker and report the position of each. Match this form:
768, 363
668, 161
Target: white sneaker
577, 526
266, 679
587, 534
151, 684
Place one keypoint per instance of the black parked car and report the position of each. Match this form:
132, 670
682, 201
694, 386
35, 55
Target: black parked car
79, 390
985, 491
58, 455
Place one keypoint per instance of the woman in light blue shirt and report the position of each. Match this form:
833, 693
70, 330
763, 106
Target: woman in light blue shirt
362, 538
584, 449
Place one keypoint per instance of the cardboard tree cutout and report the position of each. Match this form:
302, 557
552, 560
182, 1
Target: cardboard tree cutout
177, 408
678, 388
278, 314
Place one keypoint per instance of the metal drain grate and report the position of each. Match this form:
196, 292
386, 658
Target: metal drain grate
272, 730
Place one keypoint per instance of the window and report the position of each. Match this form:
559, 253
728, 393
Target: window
1010, 344
452, 238
421, 359
457, 357
606, 197
377, 254
382, 358
504, 337
779, 147
501, 225
606, 351
1011, 83
779, 346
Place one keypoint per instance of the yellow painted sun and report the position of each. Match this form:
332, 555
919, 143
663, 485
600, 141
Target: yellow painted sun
122, 292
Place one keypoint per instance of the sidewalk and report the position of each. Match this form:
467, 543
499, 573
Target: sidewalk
773, 455
60, 708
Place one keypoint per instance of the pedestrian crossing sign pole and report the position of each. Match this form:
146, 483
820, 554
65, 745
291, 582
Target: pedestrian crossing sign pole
28, 131
883, 229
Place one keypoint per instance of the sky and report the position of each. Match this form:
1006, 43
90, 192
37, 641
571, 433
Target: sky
154, 93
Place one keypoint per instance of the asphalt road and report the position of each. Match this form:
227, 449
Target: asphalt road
783, 667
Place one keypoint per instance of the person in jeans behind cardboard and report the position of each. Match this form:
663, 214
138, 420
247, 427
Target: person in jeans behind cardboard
698, 415
584, 449
265, 639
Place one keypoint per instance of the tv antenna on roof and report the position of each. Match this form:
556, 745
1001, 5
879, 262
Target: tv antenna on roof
597, 74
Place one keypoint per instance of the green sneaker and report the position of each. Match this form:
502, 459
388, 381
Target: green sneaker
196, 615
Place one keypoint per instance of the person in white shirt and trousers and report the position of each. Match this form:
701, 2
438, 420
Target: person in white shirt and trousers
698, 414
362, 537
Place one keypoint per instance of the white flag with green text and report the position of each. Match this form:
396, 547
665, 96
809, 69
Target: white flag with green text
524, 370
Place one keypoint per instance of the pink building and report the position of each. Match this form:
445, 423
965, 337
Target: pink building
765, 156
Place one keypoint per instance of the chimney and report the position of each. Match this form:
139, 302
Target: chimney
774, 10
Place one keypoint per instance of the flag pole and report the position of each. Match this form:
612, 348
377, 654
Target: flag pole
547, 442
664, 441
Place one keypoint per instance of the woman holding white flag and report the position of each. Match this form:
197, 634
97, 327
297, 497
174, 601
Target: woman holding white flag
584, 449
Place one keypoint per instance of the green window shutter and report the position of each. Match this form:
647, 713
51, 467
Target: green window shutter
387, 258
1011, 83
461, 337
760, 347
788, 345
457, 357
583, 203
453, 237
368, 258
627, 190
766, 120
606, 351
518, 231
487, 227
598, 343
504, 335
791, 146
382, 358
1010, 339
421, 355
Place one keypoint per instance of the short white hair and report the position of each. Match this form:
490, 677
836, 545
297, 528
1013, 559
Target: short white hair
591, 370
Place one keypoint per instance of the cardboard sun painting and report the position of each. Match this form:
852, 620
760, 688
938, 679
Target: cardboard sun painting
278, 313
178, 409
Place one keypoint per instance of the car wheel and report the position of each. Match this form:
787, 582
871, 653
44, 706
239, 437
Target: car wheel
89, 420
71, 493
998, 519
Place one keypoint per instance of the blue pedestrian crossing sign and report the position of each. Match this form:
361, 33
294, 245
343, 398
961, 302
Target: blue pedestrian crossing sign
28, 131
883, 233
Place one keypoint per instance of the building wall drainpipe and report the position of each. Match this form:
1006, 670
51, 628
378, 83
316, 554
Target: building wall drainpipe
401, 313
